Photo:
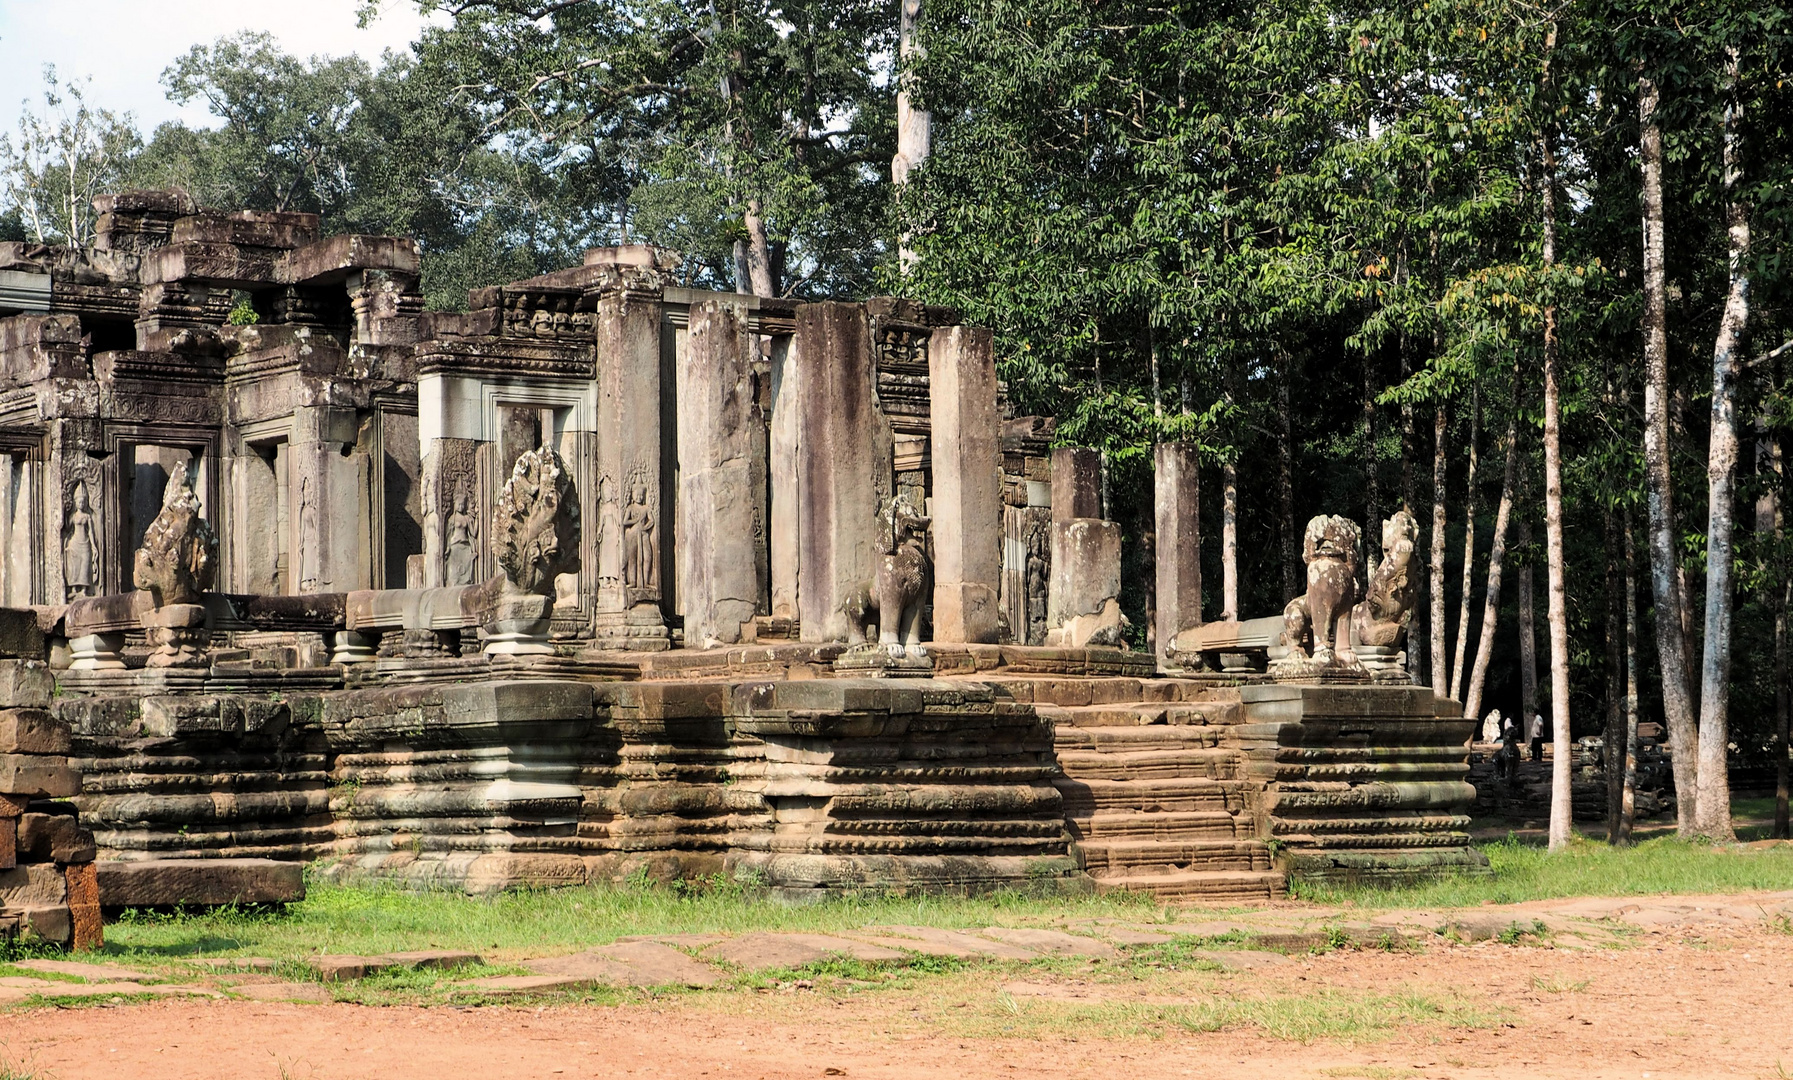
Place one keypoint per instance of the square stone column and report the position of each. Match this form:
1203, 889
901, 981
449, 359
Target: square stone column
1076, 483
631, 524
966, 437
1083, 597
1176, 492
719, 494
783, 529
329, 546
844, 464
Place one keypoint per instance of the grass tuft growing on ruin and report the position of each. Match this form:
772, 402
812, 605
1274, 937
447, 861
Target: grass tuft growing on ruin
1525, 871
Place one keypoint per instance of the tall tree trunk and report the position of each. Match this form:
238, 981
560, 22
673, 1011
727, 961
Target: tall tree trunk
1440, 673
1371, 492
1614, 735
1665, 578
1560, 802
1484, 650
1416, 666
1783, 694
759, 252
914, 126
1229, 503
1469, 513
1712, 813
1528, 633
1285, 475
1628, 791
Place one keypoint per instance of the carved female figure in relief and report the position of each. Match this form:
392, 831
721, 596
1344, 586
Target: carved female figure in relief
77, 553
462, 529
641, 566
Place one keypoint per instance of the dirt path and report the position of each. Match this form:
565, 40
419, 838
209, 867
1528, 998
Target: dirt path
1690, 996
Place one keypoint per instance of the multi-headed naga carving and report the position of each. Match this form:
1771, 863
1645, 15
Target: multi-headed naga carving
1314, 629
176, 565
535, 527
535, 539
179, 556
894, 597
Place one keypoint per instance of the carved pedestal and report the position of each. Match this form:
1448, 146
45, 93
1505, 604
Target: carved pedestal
180, 635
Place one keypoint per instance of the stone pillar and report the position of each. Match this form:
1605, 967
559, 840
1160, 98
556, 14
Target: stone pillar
786, 516
966, 436
1076, 483
844, 463
1178, 525
1083, 598
629, 468
718, 429
329, 547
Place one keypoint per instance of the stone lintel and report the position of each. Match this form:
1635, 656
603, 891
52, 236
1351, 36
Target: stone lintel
332, 260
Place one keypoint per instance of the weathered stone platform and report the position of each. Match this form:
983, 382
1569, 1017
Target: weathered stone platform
1015, 767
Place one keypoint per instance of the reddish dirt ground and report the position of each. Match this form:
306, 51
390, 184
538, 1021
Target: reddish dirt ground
1680, 1002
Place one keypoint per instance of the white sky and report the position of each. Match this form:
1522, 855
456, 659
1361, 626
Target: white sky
123, 45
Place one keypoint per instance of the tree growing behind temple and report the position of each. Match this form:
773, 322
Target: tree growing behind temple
62, 155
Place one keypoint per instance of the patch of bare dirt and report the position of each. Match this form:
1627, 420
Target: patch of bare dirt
1706, 999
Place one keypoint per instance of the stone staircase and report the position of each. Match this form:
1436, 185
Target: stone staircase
1152, 794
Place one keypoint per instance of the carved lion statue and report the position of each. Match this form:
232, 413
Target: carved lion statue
1331, 550
894, 598
535, 526
1382, 617
179, 556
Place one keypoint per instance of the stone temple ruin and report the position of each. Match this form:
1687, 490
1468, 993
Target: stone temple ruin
607, 575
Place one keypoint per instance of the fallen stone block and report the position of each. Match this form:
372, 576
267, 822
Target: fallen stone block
1050, 942
283, 991
26, 684
90, 972
972, 944
629, 963
518, 985
429, 959
347, 968
202, 882
762, 951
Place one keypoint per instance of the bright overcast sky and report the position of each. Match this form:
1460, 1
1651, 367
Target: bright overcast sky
123, 45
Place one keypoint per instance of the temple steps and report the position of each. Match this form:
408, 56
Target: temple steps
1152, 792
1168, 825
1202, 886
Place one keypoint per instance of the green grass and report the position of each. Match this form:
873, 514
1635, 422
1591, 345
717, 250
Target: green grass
1525, 871
370, 920
1323, 1013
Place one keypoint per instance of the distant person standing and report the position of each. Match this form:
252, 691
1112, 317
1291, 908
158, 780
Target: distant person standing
1535, 733
1491, 727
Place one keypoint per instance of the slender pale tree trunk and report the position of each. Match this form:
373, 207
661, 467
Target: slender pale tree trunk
1783, 699
1440, 672
1558, 615
1712, 813
1229, 507
1665, 577
1285, 475
1372, 492
1470, 500
1484, 650
914, 126
1528, 632
1613, 737
1628, 792
759, 251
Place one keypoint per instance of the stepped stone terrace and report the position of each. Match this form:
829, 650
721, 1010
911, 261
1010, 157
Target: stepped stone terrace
607, 575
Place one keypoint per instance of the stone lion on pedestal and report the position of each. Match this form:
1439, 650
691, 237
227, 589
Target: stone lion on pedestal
1315, 630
